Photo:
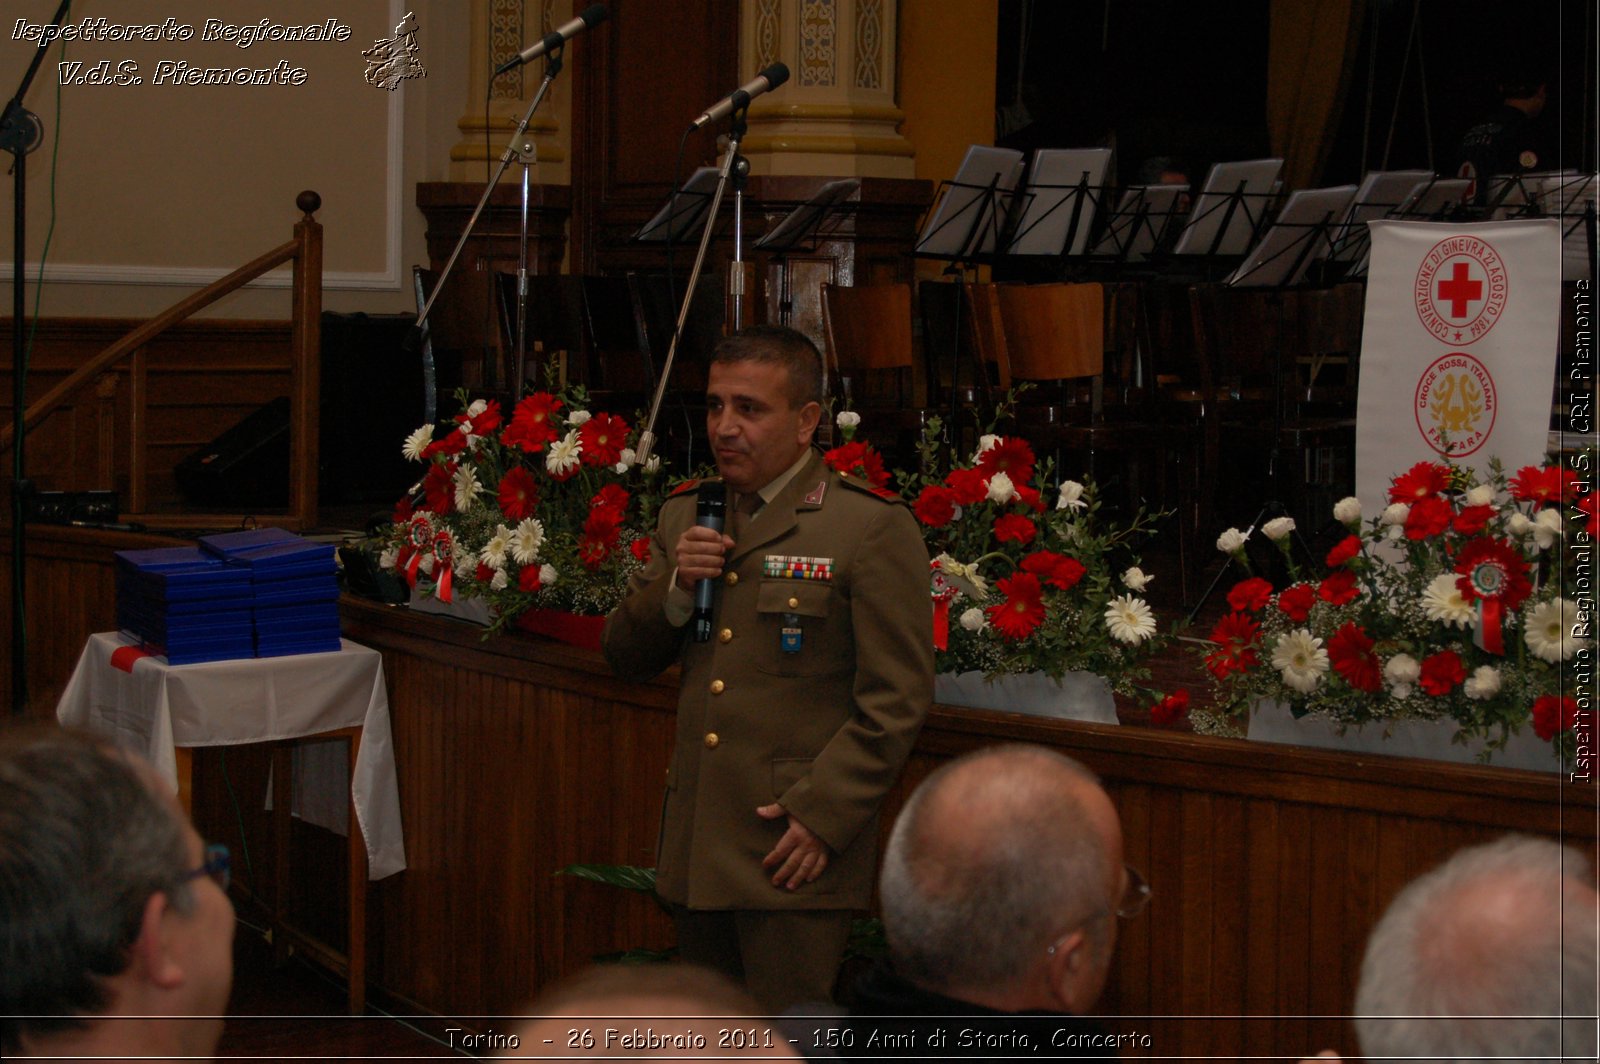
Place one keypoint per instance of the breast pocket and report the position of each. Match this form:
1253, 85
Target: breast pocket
804, 628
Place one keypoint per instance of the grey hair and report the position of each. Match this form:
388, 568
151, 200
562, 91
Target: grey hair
976, 904
84, 843
1444, 970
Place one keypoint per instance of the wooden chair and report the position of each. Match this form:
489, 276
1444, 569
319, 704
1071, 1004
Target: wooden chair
870, 363
555, 328
619, 373
460, 342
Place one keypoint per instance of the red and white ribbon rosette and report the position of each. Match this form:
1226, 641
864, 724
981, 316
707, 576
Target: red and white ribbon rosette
444, 566
943, 593
419, 537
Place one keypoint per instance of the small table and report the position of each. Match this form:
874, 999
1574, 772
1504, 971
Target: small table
160, 710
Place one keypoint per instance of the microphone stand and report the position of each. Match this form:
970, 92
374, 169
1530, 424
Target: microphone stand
20, 133
730, 162
516, 148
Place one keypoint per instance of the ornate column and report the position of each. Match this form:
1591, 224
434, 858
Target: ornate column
501, 29
837, 115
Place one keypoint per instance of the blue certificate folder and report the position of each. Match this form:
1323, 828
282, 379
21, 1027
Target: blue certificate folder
260, 593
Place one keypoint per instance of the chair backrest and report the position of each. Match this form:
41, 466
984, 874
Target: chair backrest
1053, 332
621, 358
868, 327
988, 331
461, 330
657, 304
555, 321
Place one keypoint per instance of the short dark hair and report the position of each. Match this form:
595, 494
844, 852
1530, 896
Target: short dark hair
782, 346
84, 844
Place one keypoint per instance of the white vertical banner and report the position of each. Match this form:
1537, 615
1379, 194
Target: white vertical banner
1458, 350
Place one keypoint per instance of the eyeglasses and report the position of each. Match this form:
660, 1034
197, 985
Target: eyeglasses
217, 864
1135, 897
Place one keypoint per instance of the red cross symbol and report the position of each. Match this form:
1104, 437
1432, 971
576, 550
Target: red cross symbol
1460, 290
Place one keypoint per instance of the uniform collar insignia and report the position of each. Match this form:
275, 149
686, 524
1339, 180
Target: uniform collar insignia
815, 498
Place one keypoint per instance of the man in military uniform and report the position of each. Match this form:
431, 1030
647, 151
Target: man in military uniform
798, 713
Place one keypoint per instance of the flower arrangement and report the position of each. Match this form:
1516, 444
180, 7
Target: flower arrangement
1023, 574
547, 510
1446, 605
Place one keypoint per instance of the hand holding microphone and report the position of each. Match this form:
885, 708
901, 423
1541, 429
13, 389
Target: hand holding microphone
700, 551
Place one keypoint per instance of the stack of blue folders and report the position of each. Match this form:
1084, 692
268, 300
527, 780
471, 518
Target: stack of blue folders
186, 604
294, 588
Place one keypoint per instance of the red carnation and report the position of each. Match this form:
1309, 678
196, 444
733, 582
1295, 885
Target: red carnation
1350, 654
1549, 484
600, 536
1492, 569
1472, 519
453, 442
1553, 714
1057, 570
533, 422
611, 497
641, 549
1252, 594
1442, 673
439, 488
403, 510
1346, 549
1422, 481
1339, 589
1029, 497
1235, 636
1023, 609
1170, 710
603, 437
483, 573
1012, 456
970, 485
858, 458
1428, 517
1296, 602
519, 494
935, 506
528, 578
1014, 528
487, 421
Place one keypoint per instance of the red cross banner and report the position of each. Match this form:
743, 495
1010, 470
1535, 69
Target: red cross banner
1458, 351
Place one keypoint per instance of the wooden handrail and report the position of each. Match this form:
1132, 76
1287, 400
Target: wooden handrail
305, 251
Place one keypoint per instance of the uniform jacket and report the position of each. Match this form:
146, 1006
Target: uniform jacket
825, 730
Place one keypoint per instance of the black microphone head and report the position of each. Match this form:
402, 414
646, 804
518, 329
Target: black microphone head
594, 14
713, 499
776, 75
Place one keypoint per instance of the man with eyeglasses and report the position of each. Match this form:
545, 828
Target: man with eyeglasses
1002, 886
116, 932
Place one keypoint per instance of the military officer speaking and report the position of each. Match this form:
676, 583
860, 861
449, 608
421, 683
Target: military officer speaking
796, 716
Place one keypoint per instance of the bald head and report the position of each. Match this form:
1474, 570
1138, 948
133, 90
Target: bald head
1500, 930
996, 857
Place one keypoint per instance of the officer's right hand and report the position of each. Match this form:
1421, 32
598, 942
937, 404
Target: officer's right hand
700, 553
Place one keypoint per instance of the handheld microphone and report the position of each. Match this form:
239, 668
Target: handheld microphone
710, 514
592, 15
766, 81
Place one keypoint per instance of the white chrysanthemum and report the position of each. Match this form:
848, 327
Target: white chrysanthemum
1136, 579
1483, 684
1347, 510
463, 560
1130, 619
1548, 630
1479, 495
499, 580
1001, 490
1395, 514
477, 407
578, 417
493, 551
652, 465
526, 540
467, 488
1518, 524
1300, 660
416, 443
387, 558
974, 620
1547, 528
1401, 671
547, 575
1443, 601
847, 419
1278, 528
1232, 540
562, 456
1071, 496
625, 460
985, 442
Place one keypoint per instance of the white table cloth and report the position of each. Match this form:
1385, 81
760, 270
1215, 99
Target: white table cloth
152, 707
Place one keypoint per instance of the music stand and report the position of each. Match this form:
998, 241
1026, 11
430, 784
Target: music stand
1230, 208
1381, 192
1140, 225
684, 212
1063, 197
965, 223
803, 226
1433, 201
1570, 196
1300, 235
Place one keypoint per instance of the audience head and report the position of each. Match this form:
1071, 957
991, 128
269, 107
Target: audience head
1500, 930
690, 1012
1002, 882
105, 908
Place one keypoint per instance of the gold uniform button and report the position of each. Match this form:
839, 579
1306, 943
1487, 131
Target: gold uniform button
794, 603
712, 740
733, 578
725, 636
717, 686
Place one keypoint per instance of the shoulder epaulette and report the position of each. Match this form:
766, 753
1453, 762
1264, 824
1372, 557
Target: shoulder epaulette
886, 494
684, 488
